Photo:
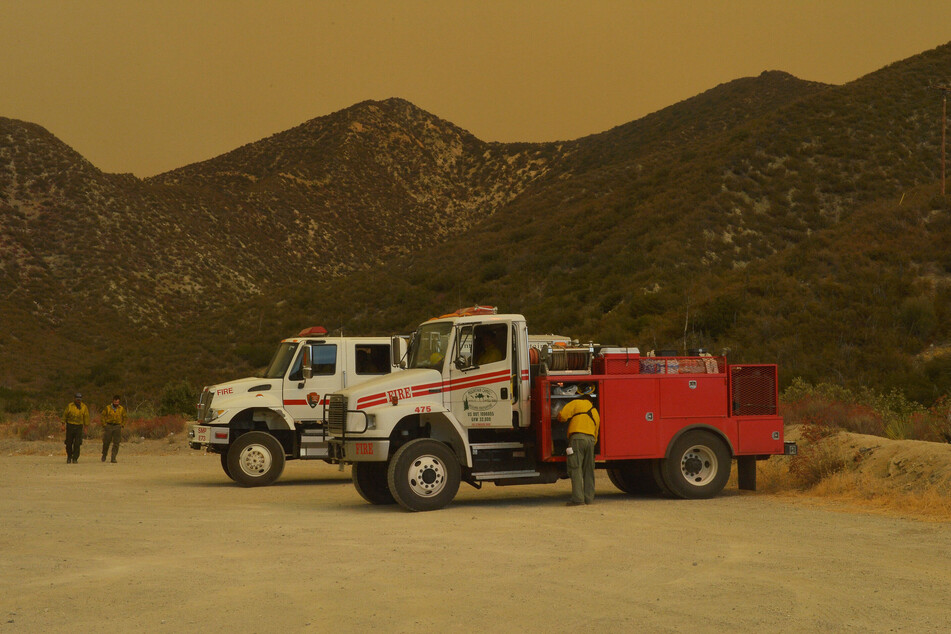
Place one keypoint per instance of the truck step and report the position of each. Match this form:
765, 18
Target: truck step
500, 475
485, 446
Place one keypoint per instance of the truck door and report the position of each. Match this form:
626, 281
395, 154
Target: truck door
302, 397
480, 376
521, 383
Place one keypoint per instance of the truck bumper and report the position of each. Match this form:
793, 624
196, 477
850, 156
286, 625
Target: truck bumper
360, 450
201, 436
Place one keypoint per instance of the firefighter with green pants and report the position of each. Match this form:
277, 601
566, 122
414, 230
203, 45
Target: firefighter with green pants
75, 419
583, 422
113, 420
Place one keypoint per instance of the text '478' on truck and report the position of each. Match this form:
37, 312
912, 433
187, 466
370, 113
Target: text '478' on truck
257, 423
478, 403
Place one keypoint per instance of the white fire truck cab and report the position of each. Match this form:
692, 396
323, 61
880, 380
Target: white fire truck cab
478, 402
257, 423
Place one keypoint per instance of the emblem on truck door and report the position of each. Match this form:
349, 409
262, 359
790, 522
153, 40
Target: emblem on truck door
479, 399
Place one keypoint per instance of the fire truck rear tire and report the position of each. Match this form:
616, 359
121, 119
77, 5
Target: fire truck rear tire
634, 478
370, 480
255, 459
424, 475
698, 466
657, 473
224, 464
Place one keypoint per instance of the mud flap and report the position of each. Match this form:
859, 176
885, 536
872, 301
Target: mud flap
746, 473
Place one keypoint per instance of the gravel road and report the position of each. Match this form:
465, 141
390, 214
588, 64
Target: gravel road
167, 543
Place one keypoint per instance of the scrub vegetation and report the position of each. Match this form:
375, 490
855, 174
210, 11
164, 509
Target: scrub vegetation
772, 219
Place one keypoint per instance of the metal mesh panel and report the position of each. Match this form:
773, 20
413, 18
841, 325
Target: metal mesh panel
682, 365
754, 390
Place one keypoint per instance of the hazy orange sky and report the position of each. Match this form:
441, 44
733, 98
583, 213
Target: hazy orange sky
145, 86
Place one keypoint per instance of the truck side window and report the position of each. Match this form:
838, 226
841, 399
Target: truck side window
489, 345
372, 359
325, 359
297, 369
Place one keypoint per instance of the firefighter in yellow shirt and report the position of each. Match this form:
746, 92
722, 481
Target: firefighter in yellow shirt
75, 419
113, 420
486, 348
583, 423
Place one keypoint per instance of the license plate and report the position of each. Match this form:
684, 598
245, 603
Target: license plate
202, 434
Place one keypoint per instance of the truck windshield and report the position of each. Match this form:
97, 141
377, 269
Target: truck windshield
430, 346
280, 361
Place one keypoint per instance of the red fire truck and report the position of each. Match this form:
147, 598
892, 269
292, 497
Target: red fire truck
478, 403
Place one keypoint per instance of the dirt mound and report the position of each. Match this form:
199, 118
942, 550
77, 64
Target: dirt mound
907, 464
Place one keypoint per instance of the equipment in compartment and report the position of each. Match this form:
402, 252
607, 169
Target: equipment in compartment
617, 361
561, 394
565, 359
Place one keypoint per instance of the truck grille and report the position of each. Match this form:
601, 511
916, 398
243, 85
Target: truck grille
336, 414
204, 405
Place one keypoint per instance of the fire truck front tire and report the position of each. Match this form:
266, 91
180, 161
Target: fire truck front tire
370, 480
255, 459
698, 466
424, 475
224, 464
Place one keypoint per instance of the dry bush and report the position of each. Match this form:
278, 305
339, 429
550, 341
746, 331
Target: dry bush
48, 425
816, 460
860, 490
159, 427
37, 426
855, 417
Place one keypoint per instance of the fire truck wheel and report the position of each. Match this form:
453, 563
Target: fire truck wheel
634, 478
657, 473
255, 459
224, 464
698, 466
424, 475
369, 478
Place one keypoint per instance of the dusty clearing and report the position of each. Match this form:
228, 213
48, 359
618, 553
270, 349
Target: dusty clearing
167, 543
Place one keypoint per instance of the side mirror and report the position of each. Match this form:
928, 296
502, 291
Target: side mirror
306, 368
397, 345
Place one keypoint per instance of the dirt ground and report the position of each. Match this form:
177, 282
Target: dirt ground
163, 541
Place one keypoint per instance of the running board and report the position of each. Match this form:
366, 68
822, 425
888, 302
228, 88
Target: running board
501, 475
485, 446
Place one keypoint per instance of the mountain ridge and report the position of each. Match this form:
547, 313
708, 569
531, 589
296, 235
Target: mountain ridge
382, 214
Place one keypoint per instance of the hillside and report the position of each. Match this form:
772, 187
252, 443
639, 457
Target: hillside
91, 261
782, 219
807, 231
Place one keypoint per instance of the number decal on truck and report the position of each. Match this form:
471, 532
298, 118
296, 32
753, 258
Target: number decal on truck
423, 409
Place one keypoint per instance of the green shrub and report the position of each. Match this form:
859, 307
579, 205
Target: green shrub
178, 397
13, 401
865, 411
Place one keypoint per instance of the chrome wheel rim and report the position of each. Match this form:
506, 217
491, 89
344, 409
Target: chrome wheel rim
426, 476
699, 465
255, 460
